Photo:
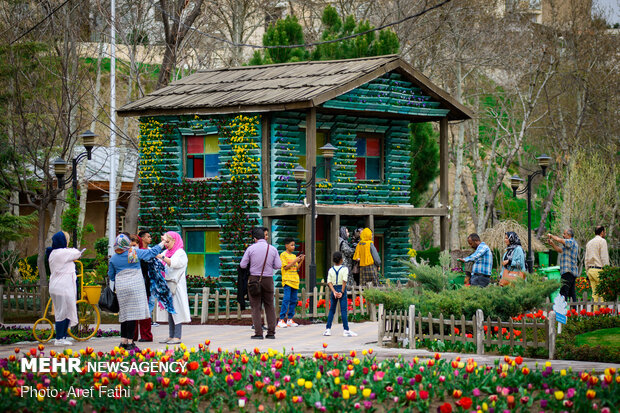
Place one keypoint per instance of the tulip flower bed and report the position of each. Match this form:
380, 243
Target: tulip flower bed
273, 381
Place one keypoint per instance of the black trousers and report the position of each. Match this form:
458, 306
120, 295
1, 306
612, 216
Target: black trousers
127, 329
568, 286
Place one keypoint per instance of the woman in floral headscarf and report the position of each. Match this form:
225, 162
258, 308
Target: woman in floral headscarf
125, 272
175, 259
514, 257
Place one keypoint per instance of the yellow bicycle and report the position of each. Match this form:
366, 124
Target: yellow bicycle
88, 317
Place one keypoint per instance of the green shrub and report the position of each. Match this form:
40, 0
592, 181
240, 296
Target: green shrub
434, 278
567, 349
431, 255
101, 246
494, 301
609, 283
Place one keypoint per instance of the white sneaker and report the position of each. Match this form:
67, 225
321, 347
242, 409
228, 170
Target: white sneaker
282, 324
69, 339
349, 333
327, 332
291, 323
61, 342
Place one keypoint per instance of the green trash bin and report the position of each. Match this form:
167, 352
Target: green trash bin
543, 259
552, 273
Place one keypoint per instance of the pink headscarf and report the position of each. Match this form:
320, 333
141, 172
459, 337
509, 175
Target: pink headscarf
178, 243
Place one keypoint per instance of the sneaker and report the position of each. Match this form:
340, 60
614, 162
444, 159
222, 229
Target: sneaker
61, 342
69, 339
282, 324
327, 332
271, 336
154, 324
349, 333
291, 323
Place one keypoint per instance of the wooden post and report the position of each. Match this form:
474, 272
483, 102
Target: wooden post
227, 304
205, 305
381, 329
196, 305
310, 162
444, 157
304, 296
479, 330
370, 223
551, 334
266, 160
315, 302
217, 304
335, 231
411, 323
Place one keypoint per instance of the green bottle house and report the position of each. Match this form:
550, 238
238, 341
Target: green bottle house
218, 149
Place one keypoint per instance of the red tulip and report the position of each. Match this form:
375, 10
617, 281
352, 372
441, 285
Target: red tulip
411, 395
464, 402
445, 408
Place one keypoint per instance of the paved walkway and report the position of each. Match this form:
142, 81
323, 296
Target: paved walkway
303, 339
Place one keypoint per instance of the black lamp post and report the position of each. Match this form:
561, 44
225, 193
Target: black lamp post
60, 169
300, 175
515, 182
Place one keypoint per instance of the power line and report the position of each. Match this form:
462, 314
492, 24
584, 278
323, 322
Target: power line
41, 22
305, 45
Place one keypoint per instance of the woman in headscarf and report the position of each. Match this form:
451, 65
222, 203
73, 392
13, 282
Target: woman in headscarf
175, 259
513, 259
62, 285
368, 257
125, 272
347, 252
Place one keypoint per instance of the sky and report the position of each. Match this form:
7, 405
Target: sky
611, 9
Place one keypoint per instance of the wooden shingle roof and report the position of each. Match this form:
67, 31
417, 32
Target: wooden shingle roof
288, 86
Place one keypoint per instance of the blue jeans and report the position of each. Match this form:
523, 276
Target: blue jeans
61, 329
479, 280
289, 302
343, 308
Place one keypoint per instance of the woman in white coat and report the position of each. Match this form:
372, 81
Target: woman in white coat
175, 259
62, 286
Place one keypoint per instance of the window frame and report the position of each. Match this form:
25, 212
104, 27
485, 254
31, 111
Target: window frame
326, 172
185, 155
201, 229
381, 137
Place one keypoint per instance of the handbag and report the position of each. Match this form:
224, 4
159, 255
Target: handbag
108, 301
254, 285
509, 276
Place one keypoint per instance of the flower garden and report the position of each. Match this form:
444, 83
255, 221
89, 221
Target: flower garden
219, 380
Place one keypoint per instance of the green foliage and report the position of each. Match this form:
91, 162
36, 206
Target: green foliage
609, 283
70, 218
568, 349
494, 301
93, 278
101, 246
430, 255
424, 159
15, 227
434, 278
8, 264
283, 33
369, 44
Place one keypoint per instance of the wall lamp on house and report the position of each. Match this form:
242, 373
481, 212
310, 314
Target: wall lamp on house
300, 173
515, 183
60, 168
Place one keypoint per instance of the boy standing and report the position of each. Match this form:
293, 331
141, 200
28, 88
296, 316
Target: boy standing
290, 282
337, 277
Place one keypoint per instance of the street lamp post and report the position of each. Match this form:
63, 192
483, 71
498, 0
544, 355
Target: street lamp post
60, 170
515, 182
300, 175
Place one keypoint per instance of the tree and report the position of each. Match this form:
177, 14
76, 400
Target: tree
283, 32
177, 18
424, 159
41, 91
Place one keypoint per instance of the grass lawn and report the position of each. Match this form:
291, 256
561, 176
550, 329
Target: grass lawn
608, 337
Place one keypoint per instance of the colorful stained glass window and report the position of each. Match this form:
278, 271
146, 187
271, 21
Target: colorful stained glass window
202, 156
368, 162
321, 140
203, 252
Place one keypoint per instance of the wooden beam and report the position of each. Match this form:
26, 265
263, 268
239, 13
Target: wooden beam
355, 210
443, 182
334, 233
307, 241
310, 162
266, 159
